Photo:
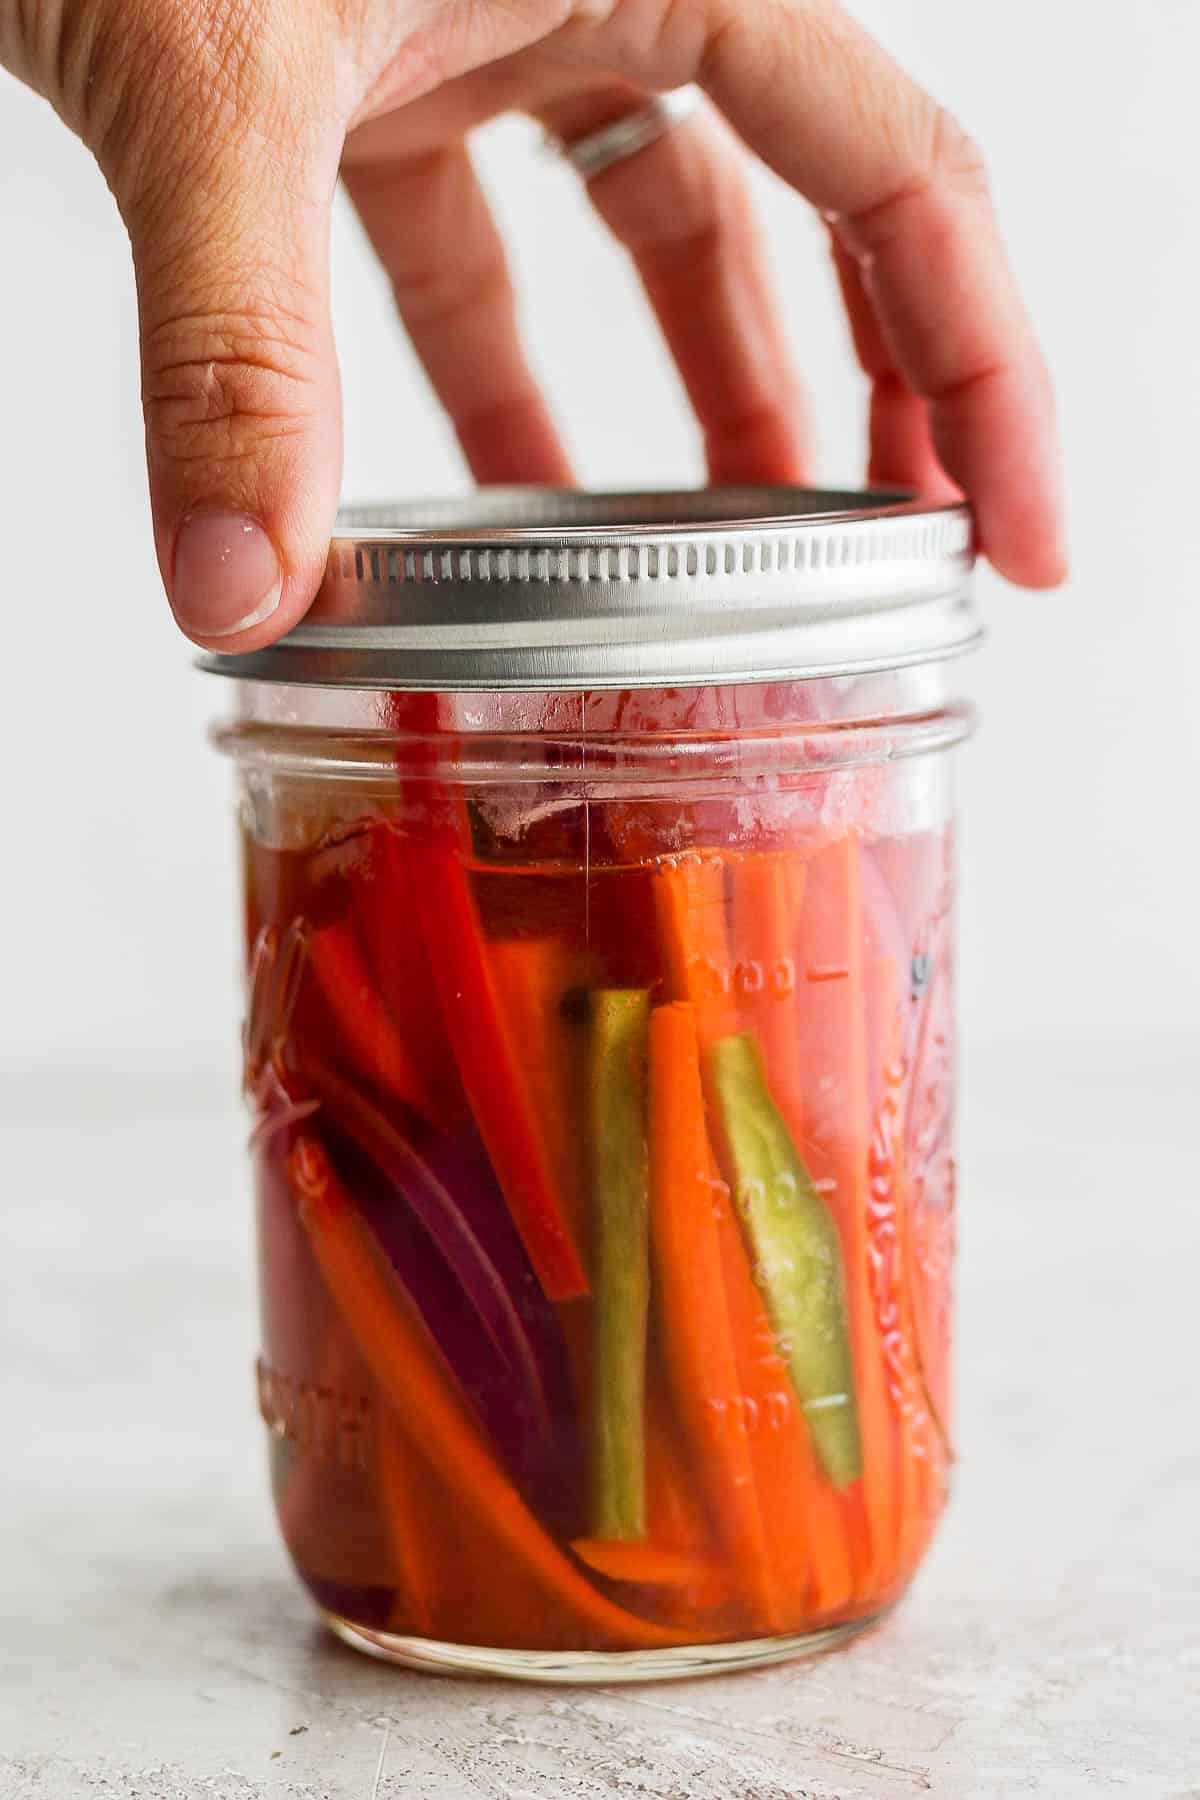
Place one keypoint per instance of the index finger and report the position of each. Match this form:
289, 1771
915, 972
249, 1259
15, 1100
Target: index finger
905, 192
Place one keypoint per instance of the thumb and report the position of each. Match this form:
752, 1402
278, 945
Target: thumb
239, 382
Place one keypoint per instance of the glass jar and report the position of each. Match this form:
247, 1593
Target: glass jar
599, 1046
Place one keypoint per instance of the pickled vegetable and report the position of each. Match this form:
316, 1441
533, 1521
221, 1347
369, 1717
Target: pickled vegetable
620, 1201
797, 1256
604, 1195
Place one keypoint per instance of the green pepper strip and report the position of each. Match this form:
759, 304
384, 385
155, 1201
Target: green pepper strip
621, 1261
797, 1255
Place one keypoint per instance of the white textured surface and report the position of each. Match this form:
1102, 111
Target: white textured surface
152, 1643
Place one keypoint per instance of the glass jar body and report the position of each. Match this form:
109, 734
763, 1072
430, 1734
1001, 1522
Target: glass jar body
600, 1052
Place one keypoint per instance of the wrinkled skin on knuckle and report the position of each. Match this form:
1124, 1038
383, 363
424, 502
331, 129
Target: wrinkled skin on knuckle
220, 387
955, 161
165, 89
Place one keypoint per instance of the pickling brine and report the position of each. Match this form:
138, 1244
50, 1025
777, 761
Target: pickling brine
599, 1054
605, 1205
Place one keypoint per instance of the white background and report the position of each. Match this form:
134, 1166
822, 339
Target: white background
1081, 918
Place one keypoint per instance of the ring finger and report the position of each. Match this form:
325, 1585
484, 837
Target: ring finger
680, 207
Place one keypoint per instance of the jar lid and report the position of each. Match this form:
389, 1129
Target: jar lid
548, 588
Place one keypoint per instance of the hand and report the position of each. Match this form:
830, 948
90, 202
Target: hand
222, 126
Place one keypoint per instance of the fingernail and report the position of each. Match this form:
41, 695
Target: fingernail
226, 576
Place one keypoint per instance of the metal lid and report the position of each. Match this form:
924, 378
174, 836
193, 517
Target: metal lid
544, 588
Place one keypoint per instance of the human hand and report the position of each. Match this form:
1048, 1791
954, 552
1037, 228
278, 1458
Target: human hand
221, 127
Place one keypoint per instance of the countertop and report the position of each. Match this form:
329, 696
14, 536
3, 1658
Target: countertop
153, 1644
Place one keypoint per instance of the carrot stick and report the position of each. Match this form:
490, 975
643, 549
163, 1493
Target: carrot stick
803, 1515
766, 890
646, 1564
534, 977
676, 1515
804, 1519
688, 1581
766, 893
366, 1028
690, 897
690, 1290
494, 1066
831, 1023
415, 1382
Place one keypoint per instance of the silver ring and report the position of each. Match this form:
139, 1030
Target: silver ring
589, 156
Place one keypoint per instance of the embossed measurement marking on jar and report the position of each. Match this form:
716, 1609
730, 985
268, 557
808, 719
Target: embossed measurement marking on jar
744, 979
331, 1426
747, 1414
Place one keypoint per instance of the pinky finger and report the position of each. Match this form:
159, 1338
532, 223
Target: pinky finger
901, 452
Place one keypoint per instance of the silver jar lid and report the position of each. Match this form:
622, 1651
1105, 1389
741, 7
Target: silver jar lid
545, 588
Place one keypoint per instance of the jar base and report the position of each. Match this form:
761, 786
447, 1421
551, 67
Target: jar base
599, 1667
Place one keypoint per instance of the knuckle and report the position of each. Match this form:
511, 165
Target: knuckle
954, 158
450, 291
940, 174
165, 88
218, 386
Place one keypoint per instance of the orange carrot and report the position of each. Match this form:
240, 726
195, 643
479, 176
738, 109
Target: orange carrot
690, 1290
831, 1024
766, 890
803, 1515
646, 1564
417, 1385
446, 1584
679, 1561
366, 1027
676, 1516
690, 900
533, 978
805, 1521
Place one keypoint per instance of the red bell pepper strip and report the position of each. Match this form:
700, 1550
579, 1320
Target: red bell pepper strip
367, 1030
383, 886
490, 1061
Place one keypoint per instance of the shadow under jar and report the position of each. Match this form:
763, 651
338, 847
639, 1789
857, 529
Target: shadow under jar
599, 1044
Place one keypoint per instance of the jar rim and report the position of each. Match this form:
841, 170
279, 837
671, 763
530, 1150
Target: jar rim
536, 588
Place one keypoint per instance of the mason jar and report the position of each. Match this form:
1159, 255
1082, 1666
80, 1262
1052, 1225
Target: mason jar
599, 1052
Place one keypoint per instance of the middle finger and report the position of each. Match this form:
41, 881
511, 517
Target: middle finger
681, 208
432, 229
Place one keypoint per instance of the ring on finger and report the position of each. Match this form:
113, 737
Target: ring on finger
621, 138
